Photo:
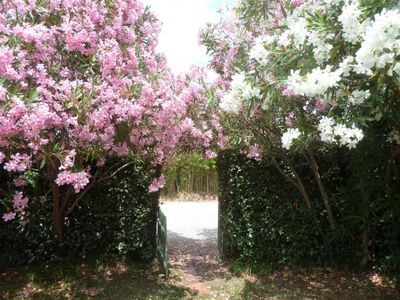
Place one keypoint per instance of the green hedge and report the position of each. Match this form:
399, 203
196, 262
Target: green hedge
264, 221
261, 220
115, 218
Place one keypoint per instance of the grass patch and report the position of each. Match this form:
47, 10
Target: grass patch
90, 280
131, 280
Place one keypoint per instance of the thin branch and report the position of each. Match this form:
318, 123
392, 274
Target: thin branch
277, 166
94, 181
116, 172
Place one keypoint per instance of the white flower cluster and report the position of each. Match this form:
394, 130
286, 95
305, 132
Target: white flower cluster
331, 131
259, 53
315, 83
289, 136
298, 29
284, 39
347, 65
358, 97
381, 43
240, 91
353, 29
321, 49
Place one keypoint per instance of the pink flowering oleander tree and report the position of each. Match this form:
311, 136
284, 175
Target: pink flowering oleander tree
301, 77
80, 83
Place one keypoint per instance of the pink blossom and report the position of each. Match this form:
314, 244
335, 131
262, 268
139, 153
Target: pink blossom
78, 179
20, 182
320, 106
18, 163
9, 216
157, 184
254, 152
289, 119
287, 92
19, 202
69, 160
119, 97
297, 3
6, 60
3, 93
210, 154
101, 162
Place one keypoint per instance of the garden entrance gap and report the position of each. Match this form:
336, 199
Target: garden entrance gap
192, 236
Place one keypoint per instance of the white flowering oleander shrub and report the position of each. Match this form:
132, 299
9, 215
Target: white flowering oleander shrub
327, 79
312, 59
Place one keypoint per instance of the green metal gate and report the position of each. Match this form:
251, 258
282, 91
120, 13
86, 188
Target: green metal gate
162, 242
220, 234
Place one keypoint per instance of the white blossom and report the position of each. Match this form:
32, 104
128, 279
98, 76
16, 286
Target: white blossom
331, 132
321, 48
315, 83
240, 91
325, 127
298, 29
348, 136
380, 43
284, 39
347, 65
353, 29
259, 53
230, 103
289, 136
394, 137
358, 97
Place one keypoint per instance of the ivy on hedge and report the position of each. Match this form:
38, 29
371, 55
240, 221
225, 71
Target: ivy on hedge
117, 217
261, 217
263, 220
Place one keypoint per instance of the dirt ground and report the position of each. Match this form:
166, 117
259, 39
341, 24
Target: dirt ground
192, 241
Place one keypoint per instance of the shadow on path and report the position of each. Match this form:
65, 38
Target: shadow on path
197, 259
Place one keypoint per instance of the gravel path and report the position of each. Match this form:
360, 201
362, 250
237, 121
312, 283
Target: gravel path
193, 220
192, 241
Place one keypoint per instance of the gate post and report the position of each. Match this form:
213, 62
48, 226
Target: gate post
162, 241
220, 241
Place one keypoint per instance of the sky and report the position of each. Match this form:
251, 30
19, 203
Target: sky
182, 20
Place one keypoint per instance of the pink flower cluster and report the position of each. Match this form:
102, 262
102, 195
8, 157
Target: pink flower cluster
254, 152
88, 85
18, 163
297, 3
157, 184
289, 119
19, 204
78, 179
69, 160
7, 217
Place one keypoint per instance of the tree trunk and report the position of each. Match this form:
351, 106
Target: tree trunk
58, 218
325, 198
365, 247
298, 183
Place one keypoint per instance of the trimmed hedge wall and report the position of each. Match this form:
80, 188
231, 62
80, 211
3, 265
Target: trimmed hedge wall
264, 221
115, 218
261, 219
